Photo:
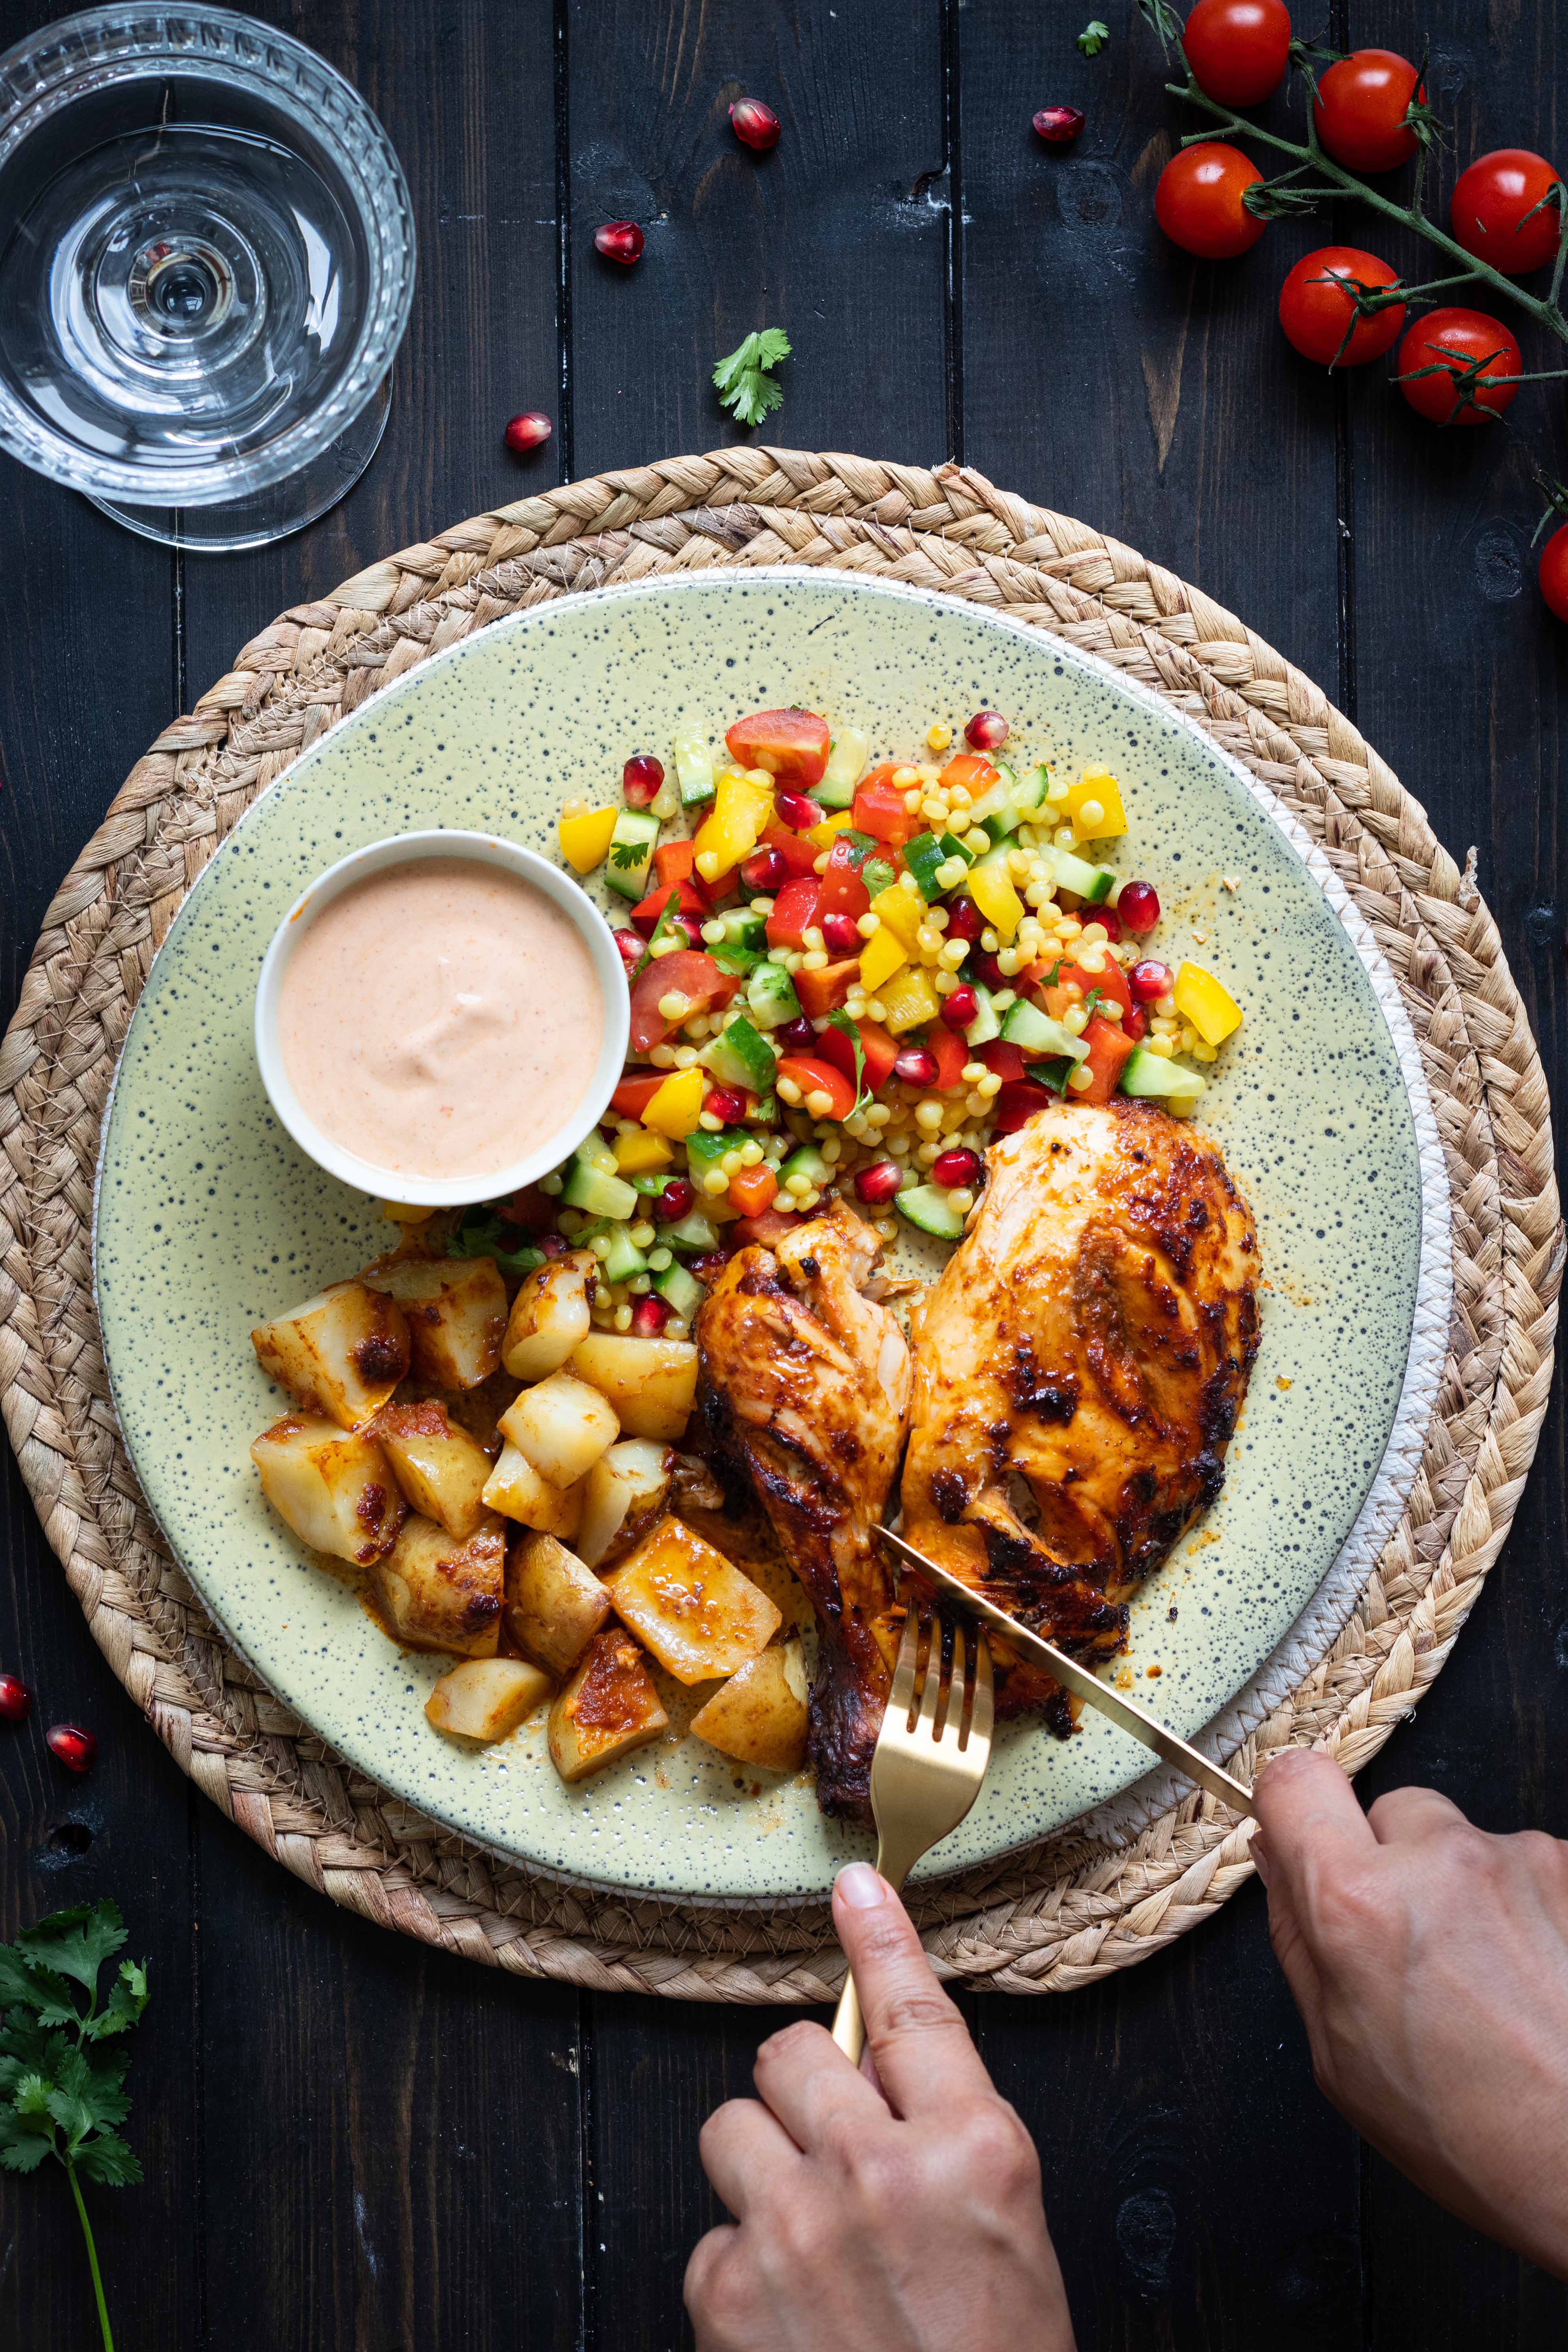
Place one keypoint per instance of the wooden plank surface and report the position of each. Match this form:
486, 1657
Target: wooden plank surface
351, 2141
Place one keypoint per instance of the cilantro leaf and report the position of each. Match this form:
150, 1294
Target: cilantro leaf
1093, 37
627, 853
1092, 1002
478, 1234
842, 1022
107, 2160
744, 380
74, 1943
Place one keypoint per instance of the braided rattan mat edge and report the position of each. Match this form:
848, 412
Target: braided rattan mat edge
1073, 1909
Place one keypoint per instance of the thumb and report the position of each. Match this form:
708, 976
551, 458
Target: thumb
925, 2057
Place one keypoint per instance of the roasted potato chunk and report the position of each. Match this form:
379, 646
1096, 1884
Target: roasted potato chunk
343, 1352
650, 1382
563, 1426
456, 1310
684, 1601
608, 1707
439, 1594
440, 1469
486, 1698
548, 1315
516, 1489
554, 1605
332, 1486
758, 1715
626, 1484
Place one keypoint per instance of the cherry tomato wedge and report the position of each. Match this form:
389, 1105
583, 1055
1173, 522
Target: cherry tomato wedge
1238, 50
1319, 316
1361, 108
794, 912
1006, 1061
1498, 210
1017, 1103
1553, 572
636, 1091
1445, 341
688, 900
813, 1077
1198, 201
843, 891
789, 744
686, 973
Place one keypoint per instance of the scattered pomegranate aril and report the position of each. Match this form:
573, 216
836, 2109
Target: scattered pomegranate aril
675, 1201
1058, 126
765, 869
797, 1037
917, 1066
551, 1243
530, 431
692, 926
840, 935
16, 1699
707, 1265
879, 1184
1108, 920
630, 946
620, 241
727, 1103
641, 778
649, 1316
1148, 980
754, 125
1137, 908
71, 1745
960, 1166
987, 731
794, 810
988, 971
964, 920
961, 1008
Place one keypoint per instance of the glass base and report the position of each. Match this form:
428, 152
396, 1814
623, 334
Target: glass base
266, 515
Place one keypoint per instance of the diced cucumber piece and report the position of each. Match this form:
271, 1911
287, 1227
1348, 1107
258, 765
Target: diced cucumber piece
693, 764
738, 1057
680, 1291
926, 1208
922, 855
742, 929
622, 1260
1029, 790
1093, 884
631, 851
771, 997
807, 1161
1034, 1032
705, 1150
597, 1153
692, 1231
845, 762
1150, 1076
985, 1025
596, 1191
832, 796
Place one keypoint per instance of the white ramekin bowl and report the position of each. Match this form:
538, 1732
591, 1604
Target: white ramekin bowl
484, 1184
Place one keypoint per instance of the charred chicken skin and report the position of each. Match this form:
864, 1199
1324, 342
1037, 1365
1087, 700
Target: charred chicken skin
1079, 1365
803, 1393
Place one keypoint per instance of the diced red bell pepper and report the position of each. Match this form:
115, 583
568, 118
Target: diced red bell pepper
790, 744
798, 853
1017, 1103
794, 912
686, 973
843, 891
972, 770
688, 901
951, 1055
769, 1226
1107, 1051
1005, 1060
813, 1077
753, 1188
636, 1091
879, 1052
825, 991
880, 806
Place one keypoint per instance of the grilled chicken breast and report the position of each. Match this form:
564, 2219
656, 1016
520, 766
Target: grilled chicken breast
803, 1391
1079, 1365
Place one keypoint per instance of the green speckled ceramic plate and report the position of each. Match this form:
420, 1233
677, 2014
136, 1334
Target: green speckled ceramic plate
209, 1218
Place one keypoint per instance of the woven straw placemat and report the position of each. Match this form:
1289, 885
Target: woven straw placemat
1072, 1910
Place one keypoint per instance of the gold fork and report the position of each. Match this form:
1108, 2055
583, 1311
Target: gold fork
931, 1757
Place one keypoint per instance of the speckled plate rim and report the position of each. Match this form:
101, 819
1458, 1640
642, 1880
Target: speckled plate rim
1119, 1818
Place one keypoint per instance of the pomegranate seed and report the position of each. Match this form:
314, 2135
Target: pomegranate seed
796, 810
765, 869
727, 1103
1137, 908
1109, 918
692, 926
1058, 126
622, 241
1148, 980
879, 1184
551, 1243
916, 1066
988, 971
74, 1748
797, 1036
841, 934
960, 1166
649, 1316
754, 125
964, 920
987, 731
641, 778
961, 1008
530, 431
706, 1264
630, 945
16, 1699
675, 1201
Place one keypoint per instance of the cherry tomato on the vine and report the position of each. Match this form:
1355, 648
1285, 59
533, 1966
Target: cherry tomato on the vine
1238, 50
1553, 572
1490, 204
1449, 338
1198, 202
1317, 313
1361, 107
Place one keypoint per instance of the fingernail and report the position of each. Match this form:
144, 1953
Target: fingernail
860, 1885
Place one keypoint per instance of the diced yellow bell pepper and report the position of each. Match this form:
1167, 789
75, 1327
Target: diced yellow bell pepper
909, 999
902, 913
1211, 1010
822, 837
881, 958
639, 1151
586, 840
404, 1212
741, 809
677, 1108
1094, 804
992, 890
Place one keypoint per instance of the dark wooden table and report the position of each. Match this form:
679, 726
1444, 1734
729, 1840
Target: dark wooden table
349, 2141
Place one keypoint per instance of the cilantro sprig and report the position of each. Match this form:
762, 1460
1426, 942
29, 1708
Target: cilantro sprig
841, 1020
1093, 37
61, 2093
744, 379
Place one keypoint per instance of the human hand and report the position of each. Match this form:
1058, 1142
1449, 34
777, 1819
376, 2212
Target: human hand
1430, 1963
902, 2214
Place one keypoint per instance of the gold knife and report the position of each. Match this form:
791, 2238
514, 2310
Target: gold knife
1125, 1712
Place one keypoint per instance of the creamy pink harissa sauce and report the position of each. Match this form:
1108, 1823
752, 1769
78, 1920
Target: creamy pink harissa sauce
440, 1018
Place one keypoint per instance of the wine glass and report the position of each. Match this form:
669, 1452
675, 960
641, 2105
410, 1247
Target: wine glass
206, 266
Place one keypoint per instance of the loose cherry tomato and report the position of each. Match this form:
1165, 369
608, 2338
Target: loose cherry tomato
1198, 202
789, 744
1553, 573
1449, 338
1317, 314
1238, 50
1361, 107
1499, 212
